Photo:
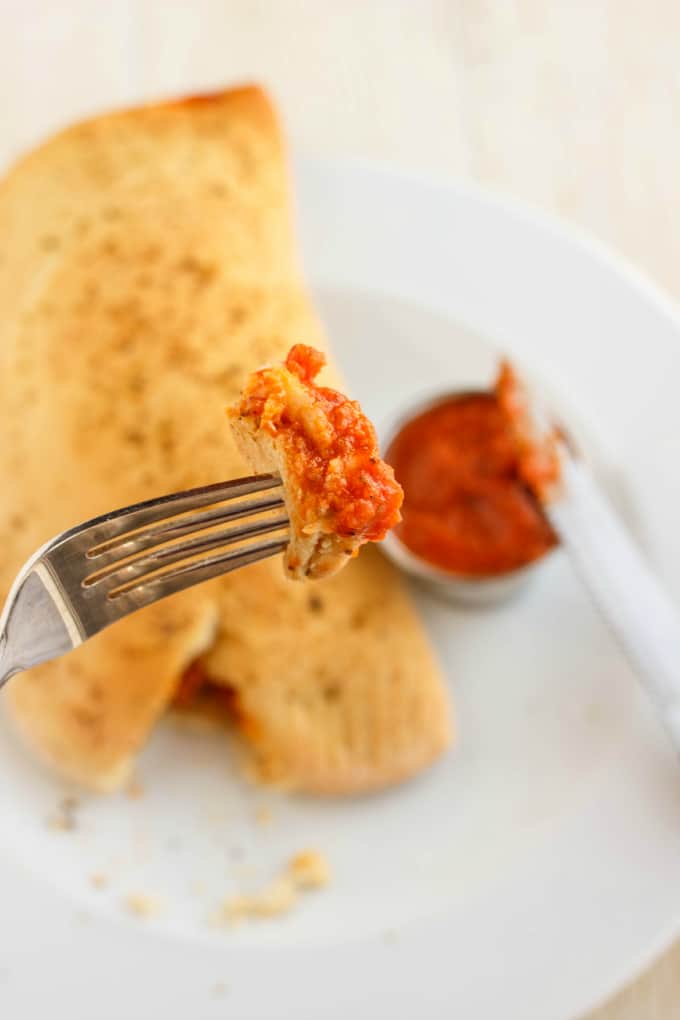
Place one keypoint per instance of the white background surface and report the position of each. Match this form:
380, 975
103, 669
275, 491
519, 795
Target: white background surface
572, 104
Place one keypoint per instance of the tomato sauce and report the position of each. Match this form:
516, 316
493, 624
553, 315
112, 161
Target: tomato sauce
466, 507
198, 693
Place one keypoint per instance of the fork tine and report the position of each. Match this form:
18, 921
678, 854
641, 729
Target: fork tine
129, 543
113, 527
133, 595
123, 570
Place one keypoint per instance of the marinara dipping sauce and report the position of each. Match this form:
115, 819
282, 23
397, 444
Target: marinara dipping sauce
466, 508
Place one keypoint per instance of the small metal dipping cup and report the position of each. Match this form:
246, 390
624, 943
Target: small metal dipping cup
473, 591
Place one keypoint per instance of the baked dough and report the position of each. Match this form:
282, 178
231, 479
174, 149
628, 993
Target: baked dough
147, 265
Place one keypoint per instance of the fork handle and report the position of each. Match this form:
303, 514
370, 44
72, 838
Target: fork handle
31, 631
8, 665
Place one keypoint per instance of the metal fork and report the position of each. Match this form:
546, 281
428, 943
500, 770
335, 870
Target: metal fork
92, 575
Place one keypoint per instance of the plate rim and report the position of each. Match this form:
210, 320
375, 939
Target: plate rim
562, 231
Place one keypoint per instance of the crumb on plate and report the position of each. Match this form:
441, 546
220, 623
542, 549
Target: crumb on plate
278, 898
305, 871
263, 815
141, 905
64, 819
134, 789
309, 869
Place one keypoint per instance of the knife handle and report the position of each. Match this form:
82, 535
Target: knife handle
638, 610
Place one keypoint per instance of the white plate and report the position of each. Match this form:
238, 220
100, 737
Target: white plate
538, 866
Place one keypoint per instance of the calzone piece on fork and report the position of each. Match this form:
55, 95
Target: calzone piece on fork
148, 266
339, 494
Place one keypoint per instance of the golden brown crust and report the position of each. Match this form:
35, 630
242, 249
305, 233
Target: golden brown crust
355, 701
90, 724
147, 265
